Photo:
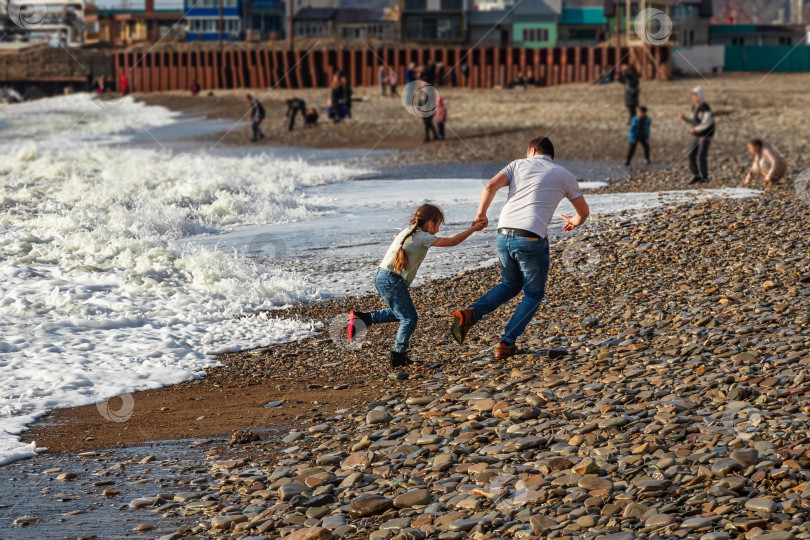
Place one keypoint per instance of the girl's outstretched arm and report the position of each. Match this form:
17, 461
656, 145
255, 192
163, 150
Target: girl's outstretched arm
459, 238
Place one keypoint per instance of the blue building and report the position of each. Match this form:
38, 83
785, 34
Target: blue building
263, 19
241, 19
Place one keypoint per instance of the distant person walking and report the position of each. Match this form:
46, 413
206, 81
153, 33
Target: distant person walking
393, 80
702, 130
382, 76
124, 82
428, 73
294, 106
396, 273
639, 133
410, 77
346, 88
768, 165
427, 119
89, 80
410, 73
629, 77
195, 88
536, 186
257, 115
336, 91
102, 85
440, 117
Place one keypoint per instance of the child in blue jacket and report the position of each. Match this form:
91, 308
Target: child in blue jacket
639, 133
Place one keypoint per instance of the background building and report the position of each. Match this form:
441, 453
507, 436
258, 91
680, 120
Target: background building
202, 17
56, 22
121, 26
691, 19
263, 19
363, 23
758, 34
581, 26
519, 23
437, 21
314, 22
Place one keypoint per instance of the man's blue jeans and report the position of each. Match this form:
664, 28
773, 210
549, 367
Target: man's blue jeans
524, 265
400, 306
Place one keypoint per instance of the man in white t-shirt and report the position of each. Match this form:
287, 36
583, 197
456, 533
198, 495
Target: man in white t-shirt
536, 186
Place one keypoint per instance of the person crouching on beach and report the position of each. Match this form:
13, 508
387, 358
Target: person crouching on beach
768, 165
639, 134
294, 106
396, 273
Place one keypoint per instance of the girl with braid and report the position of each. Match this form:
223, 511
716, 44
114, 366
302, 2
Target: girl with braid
396, 273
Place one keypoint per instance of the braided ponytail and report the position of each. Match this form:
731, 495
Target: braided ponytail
425, 213
401, 260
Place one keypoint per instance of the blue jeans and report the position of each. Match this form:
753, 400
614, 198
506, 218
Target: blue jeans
400, 307
524, 265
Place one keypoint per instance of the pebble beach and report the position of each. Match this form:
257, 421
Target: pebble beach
660, 392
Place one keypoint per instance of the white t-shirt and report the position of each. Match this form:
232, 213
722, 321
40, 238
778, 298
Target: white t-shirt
416, 246
536, 187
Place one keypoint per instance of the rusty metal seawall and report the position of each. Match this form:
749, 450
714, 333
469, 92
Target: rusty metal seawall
487, 67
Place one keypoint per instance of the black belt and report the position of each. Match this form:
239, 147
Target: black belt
517, 232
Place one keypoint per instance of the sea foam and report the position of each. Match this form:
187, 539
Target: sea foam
99, 294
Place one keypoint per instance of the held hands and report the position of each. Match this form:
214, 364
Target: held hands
480, 219
478, 225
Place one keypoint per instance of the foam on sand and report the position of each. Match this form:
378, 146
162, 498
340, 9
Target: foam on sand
99, 295
65, 121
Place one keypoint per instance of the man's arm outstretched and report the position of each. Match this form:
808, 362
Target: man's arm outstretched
497, 182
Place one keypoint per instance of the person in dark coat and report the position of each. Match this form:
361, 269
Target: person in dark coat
410, 73
90, 83
427, 115
257, 115
702, 129
629, 77
429, 73
347, 93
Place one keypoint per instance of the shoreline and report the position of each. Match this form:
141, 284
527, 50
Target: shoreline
688, 331
231, 393
226, 106
690, 289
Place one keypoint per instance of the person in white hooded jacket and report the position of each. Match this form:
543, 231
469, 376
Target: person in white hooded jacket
702, 129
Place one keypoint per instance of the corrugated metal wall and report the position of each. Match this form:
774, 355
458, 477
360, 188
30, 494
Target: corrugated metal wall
487, 67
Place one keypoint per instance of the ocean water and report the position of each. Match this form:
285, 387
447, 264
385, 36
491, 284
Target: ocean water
99, 292
129, 259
